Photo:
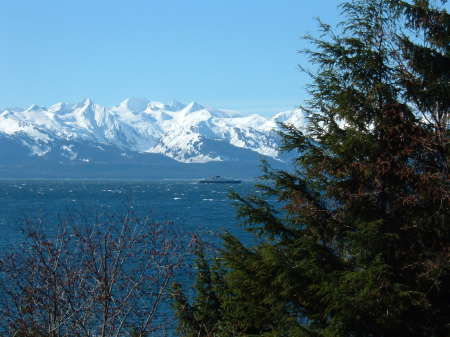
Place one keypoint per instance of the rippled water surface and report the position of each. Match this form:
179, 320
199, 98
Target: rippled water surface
201, 208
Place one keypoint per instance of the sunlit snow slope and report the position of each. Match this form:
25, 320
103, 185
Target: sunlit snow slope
187, 133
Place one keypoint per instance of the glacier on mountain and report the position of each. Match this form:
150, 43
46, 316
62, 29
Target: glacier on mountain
187, 133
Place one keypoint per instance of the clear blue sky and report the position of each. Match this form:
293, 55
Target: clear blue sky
236, 54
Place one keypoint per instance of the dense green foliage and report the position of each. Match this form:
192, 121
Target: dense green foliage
356, 240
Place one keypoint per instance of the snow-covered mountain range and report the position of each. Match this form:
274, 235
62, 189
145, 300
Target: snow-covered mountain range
187, 133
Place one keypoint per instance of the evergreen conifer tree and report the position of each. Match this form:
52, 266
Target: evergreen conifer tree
202, 317
357, 242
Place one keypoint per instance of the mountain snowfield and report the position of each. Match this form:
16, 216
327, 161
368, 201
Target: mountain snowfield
187, 133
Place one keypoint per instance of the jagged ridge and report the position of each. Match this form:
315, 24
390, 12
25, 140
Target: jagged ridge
189, 133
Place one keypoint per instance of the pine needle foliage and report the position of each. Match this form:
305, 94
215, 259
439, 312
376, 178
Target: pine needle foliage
357, 241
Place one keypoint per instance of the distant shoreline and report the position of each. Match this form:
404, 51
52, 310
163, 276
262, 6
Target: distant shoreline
2, 179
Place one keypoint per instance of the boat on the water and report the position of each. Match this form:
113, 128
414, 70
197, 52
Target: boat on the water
219, 180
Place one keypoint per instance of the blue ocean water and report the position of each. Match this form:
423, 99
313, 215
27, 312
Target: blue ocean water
204, 209
201, 209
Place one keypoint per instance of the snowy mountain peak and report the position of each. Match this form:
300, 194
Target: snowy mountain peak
186, 133
175, 105
290, 117
60, 108
86, 102
192, 107
157, 106
135, 104
35, 107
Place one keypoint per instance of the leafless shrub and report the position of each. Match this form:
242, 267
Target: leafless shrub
104, 277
